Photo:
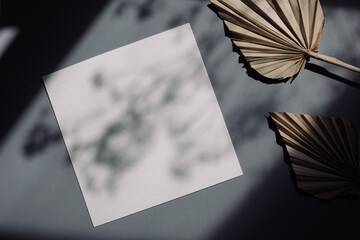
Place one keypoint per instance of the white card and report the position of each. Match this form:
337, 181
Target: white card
142, 125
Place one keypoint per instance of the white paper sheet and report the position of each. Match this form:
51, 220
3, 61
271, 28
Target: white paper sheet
142, 125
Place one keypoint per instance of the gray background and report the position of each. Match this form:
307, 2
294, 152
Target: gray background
39, 193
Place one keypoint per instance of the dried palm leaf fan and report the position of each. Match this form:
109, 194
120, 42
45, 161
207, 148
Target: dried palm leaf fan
324, 153
276, 37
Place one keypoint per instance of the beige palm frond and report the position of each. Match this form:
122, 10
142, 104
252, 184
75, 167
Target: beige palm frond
324, 153
276, 37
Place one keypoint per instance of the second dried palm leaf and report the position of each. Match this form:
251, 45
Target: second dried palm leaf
324, 153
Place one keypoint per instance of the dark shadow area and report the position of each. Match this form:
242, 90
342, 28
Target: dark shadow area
321, 70
36, 236
243, 125
122, 6
343, 3
41, 135
39, 138
47, 31
32, 236
274, 210
143, 9
270, 211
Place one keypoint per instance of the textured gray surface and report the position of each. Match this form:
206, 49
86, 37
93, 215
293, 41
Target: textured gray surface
39, 192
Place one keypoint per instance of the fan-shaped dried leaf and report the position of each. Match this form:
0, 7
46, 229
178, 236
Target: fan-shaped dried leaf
324, 153
276, 36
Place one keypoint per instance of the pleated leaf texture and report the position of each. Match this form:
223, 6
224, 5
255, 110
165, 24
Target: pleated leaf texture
324, 153
276, 37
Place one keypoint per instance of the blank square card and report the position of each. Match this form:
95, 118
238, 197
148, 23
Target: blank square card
142, 125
